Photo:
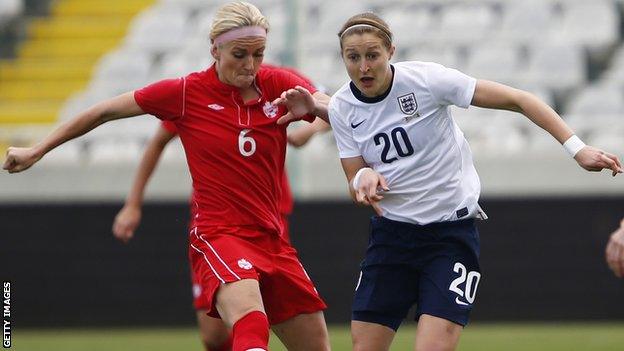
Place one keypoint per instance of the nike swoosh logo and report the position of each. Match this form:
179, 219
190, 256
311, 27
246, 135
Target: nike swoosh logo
460, 302
357, 125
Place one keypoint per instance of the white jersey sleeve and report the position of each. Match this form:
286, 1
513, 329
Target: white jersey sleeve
342, 131
450, 86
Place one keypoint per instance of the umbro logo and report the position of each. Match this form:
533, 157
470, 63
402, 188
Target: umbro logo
357, 124
216, 107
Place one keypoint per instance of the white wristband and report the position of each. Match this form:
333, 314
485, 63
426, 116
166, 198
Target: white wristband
573, 145
356, 179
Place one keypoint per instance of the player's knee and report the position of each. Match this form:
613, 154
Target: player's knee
443, 341
437, 345
358, 344
362, 343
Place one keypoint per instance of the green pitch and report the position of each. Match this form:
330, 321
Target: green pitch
481, 337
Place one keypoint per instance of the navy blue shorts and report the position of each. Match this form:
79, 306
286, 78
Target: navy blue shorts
435, 266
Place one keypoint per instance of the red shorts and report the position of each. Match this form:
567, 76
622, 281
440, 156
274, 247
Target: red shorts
222, 255
285, 228
199, 301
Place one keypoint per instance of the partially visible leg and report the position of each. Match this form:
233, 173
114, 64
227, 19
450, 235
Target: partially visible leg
371, 336
240, 305
436, 334
448, 287
214, 335
305, 332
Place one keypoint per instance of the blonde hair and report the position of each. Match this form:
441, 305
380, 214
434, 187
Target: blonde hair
367, 22
236, 15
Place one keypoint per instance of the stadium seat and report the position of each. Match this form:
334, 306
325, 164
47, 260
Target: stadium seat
122, 70
490, 132
592, 24
449, 56
68, 154
556, 66
410, 25
499, 62
594, 124
454, 28
113, 151
10, 9
523, 21
190, 5
158, 30
597, 100
608, 140
79, 102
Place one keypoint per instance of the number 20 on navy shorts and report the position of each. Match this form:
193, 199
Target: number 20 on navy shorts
435, 267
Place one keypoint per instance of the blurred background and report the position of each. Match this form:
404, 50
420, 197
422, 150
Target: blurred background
542, 249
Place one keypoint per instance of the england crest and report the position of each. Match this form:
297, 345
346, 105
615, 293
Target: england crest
408, 104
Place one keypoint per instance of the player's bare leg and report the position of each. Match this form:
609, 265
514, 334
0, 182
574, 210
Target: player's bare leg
371, 336
240, 305
235, 300
214, 335
305, 332
437, 334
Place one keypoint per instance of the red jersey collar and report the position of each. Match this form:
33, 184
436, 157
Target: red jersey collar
228, 89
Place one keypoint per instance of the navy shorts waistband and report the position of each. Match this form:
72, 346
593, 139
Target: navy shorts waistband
411, 226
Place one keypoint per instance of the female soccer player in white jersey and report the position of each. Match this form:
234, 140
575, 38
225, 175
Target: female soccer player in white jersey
249, 275
404, 155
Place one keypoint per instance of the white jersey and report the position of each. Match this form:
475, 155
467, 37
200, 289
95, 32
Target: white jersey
409, 136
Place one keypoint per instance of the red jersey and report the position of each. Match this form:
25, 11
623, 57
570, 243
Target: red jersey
235, 149
286, 202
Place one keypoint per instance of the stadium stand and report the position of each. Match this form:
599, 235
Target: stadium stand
10, 9
558, 49
57, 57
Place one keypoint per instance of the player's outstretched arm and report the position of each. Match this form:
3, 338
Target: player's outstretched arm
129, 217
365, 184
614, 251
19, 159
498, 96
300, 102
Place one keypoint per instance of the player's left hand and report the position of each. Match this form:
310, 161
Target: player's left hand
615, 251
595, 160
299, 102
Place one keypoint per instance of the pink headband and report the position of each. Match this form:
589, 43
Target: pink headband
241, 32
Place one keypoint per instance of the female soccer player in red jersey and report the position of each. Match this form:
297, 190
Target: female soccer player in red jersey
225, 117
214, 335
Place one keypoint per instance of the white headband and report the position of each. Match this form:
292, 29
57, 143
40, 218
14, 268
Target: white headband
364, 25
237, 33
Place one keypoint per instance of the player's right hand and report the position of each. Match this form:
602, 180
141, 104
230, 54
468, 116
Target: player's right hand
614, 253
369, 189
20, 158
299, 102
126, 222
